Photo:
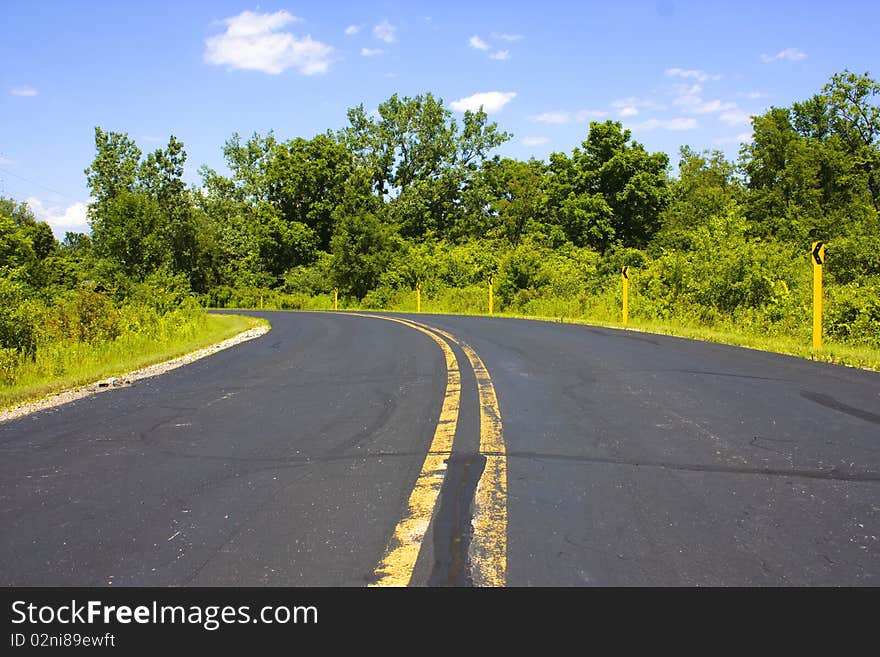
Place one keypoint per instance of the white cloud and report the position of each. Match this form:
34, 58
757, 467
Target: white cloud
351, 30
567, 117
755, 95
25, 92
384, 31
710, 106
500, 55
691, 73
6, 162
477, 43
254, 41
688, 100
639, 103
61, 219
789, 54
551, 117
692, 102
680, 123
735, 139
534, 141
736, 117
583, 115
501, 36
490, 101
371, 52
688, 89
629, 110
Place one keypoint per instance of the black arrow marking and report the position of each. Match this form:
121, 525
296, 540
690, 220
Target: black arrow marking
817, 253
625, 272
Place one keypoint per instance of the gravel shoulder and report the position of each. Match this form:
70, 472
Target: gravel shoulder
123, 380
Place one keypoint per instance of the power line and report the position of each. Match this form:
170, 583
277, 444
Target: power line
34, 182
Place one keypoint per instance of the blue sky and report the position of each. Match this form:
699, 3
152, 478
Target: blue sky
674, 72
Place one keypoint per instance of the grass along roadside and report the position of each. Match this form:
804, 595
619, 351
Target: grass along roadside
62, 366
832, 352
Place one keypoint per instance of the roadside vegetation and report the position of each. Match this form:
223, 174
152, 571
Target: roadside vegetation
61, 328
68, 363
411, 196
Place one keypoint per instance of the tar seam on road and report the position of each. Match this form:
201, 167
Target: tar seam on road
396, 567
488, 547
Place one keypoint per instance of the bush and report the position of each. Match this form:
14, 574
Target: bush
383, 298
470, 299
10, 360
163, 291
310, 280
219, 297
852, 313
18, 325
85, 316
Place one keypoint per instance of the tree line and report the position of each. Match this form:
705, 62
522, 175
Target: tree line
409, 194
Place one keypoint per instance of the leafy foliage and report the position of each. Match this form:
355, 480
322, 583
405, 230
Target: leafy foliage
409, 195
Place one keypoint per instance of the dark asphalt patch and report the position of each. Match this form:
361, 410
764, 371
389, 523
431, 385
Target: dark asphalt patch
452, 522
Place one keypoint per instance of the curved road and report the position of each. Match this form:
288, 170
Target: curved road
315, 455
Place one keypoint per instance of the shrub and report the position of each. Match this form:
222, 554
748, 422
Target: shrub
385, 297
18, 325
163, 291
86, 316
10, 359
852, 313
310, 280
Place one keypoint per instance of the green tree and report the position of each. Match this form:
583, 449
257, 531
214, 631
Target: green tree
39, 233
363, 245
16, 249
114, 169
160, 176
611, 190
707, 187
813, 168
362, 249
516, 195
416, 153
854, 114
129, 235
306, 181
248, 162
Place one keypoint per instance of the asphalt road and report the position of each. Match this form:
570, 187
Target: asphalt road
627, 459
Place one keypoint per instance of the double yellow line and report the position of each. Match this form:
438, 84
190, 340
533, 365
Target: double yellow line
488, 549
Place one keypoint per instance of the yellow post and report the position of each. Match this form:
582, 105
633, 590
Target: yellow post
335, 298
491, 304
261, 299
818, 257
418, 297
624, 275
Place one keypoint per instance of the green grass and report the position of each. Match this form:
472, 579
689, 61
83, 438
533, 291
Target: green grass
64, 365
831, 352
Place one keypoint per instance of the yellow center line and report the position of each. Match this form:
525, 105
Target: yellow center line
488, 549
399, 561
